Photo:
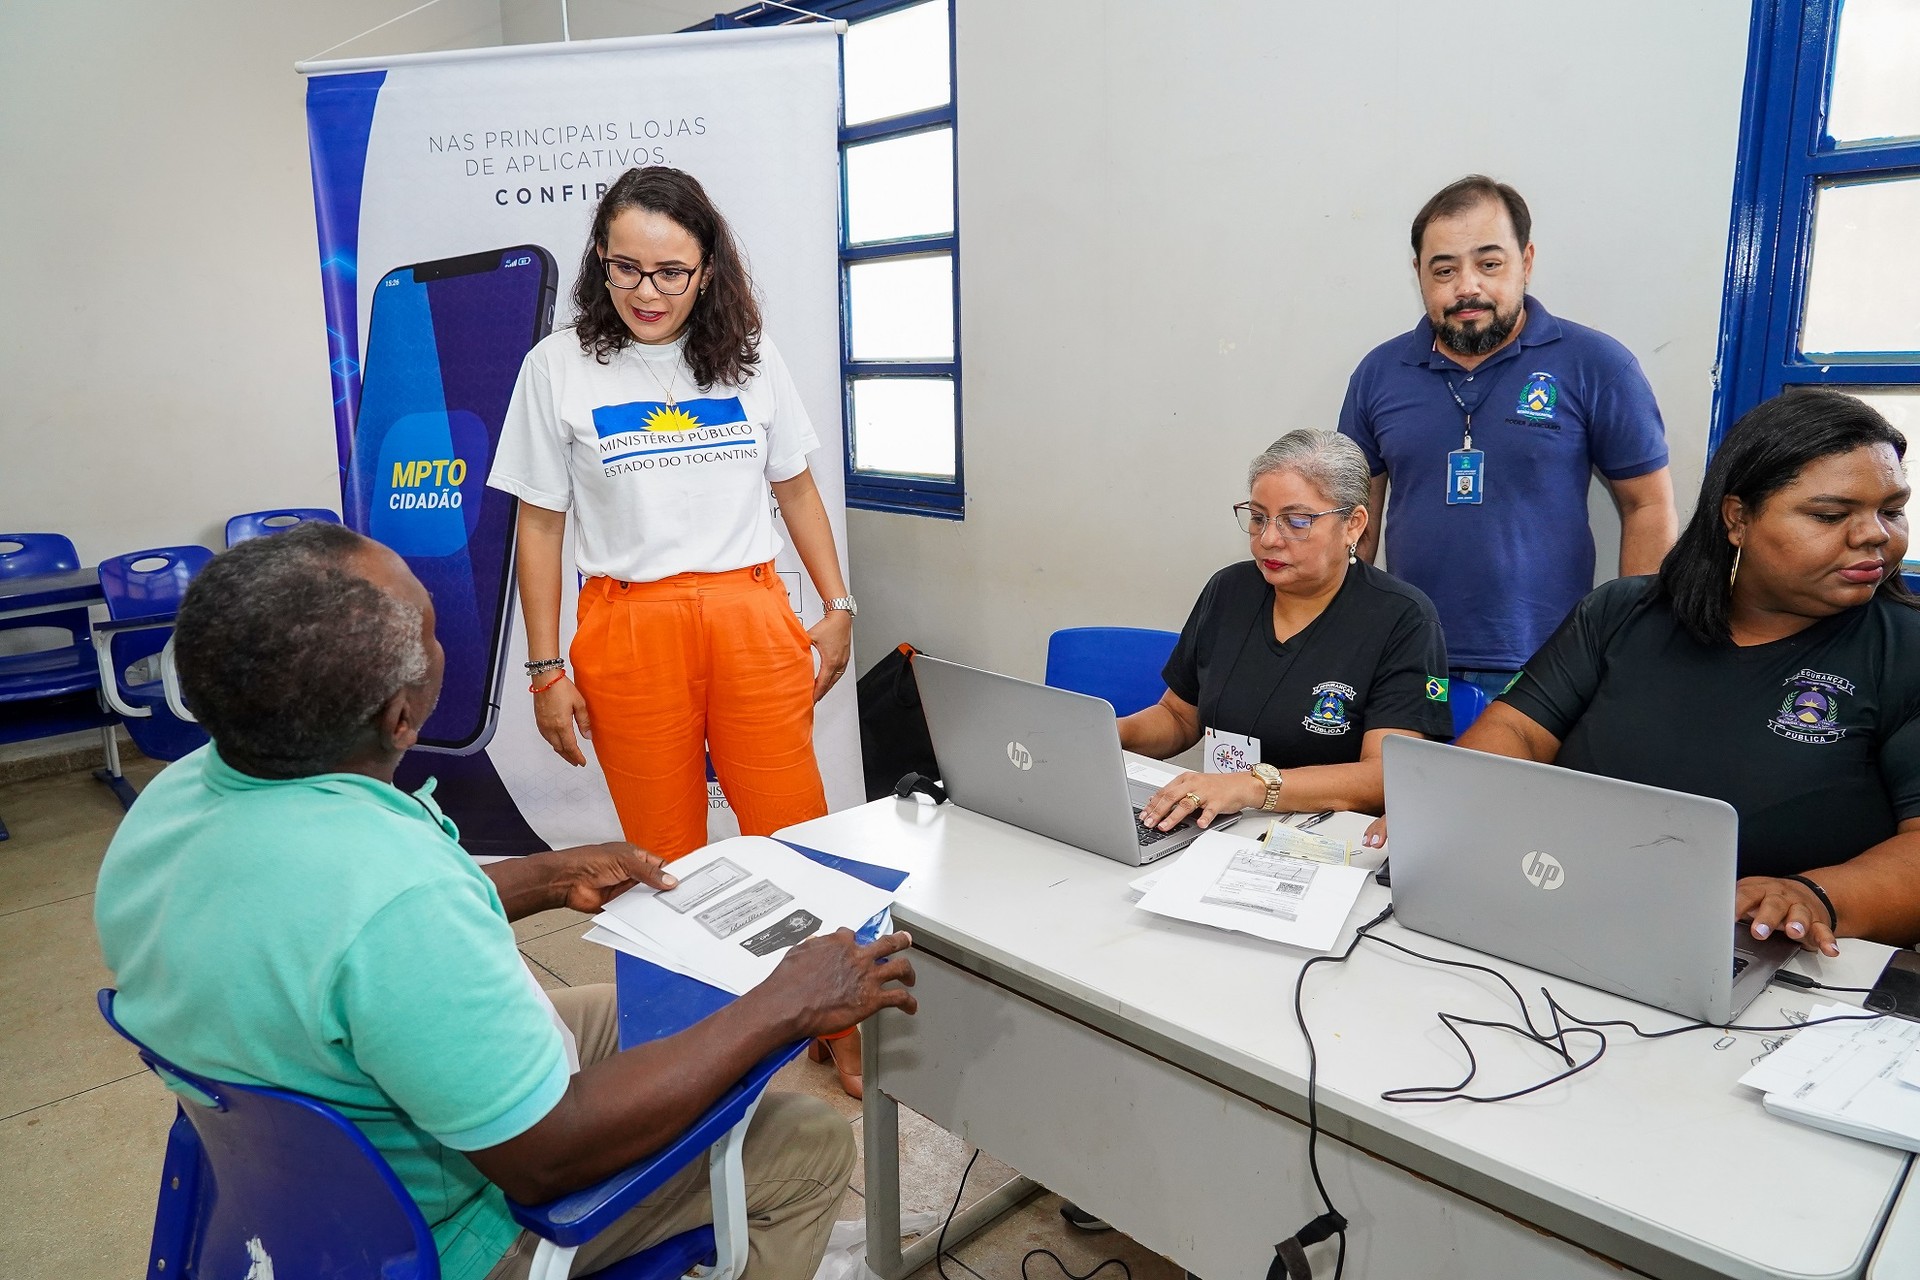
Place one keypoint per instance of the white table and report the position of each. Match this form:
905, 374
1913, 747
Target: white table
1151, 1071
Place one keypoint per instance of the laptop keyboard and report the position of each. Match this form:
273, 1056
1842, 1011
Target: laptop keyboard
1147, 835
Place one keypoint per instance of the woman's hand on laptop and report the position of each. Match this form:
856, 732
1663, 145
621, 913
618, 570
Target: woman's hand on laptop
1202, 797
1773, 905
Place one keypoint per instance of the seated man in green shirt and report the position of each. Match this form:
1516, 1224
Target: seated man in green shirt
277, 912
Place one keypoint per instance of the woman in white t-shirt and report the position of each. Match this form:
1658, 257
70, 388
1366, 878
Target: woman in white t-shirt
660, 419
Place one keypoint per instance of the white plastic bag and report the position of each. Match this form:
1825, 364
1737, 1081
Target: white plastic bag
846, 1256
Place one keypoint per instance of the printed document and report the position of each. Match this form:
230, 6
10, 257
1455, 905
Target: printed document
739, 906
1846, 1077
1231, 882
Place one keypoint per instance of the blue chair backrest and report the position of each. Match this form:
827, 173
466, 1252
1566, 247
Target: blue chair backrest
267, 1172
25, 553
142, 584
1120, 664
1467, 701
259, 524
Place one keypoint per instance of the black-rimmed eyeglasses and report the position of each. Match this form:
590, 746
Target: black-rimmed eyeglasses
670, 281
1294, 525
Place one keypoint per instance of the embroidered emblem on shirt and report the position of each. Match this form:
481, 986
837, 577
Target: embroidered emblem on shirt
1436, 689
1538, 398
1810, 712
1329, 714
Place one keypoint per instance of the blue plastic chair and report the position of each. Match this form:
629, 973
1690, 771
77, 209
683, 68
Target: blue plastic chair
1120, 664
53, 688
258, 1170
261, 524
1467, 701
143, 591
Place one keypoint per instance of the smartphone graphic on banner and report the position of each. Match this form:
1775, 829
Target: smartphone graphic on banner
444, 345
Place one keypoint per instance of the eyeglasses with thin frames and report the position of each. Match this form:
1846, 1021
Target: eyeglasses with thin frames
669, 281
1296, 526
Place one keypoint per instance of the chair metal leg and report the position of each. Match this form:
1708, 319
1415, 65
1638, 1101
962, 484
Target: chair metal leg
729, 1182
551, 1261
116, 781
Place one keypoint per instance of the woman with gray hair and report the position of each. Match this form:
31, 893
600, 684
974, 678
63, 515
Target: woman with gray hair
1297, 663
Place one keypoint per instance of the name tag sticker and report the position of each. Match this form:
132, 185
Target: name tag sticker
1466, 477
1228, 752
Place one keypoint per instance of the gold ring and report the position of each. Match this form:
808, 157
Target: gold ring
1195, 800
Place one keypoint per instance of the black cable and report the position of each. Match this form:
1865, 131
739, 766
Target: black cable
1031, 1254
1331, 1217
940, 1247
1565, 1024
1801, 980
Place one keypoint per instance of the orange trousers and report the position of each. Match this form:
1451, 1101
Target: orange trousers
692, 665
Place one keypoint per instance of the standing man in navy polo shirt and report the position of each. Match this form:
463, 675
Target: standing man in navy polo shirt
1487, 420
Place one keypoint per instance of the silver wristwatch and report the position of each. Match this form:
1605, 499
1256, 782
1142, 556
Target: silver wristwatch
843, 603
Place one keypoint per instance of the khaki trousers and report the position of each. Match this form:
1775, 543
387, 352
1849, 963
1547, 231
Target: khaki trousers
799, 1155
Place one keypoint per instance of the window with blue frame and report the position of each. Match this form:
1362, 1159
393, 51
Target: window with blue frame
899, 250
1823, 270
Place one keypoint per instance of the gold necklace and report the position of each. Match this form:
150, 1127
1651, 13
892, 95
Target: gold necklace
666, 388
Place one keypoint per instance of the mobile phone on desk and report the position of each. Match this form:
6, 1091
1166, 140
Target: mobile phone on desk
445, 342
1898, 990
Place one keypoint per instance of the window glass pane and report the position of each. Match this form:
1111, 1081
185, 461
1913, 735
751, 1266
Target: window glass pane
903, 426
901, 308
1876, 84
897, 63
900, 187
1861, 294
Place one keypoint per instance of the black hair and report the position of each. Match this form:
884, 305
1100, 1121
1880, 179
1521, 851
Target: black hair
286, 654
1474, 189
1766, 450
723, 330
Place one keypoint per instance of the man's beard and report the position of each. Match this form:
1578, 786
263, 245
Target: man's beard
1481, 340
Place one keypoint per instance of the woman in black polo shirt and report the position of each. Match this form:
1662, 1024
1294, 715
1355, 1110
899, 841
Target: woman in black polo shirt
1304, 650
1773, 663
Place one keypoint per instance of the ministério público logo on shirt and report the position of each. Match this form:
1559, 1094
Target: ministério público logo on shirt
1538, 397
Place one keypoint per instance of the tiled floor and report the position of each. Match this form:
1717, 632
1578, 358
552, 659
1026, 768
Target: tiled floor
82, 1125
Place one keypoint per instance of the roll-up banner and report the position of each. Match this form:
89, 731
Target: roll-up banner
454, 194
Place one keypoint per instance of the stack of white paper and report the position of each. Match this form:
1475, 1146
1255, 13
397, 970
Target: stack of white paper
1231, 882
1848, 1077
739, 906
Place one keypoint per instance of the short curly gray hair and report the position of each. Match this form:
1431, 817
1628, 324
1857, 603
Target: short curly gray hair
1325, 459
286, 654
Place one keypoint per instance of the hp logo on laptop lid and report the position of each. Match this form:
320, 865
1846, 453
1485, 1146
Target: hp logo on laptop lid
1542, 870
1019, 755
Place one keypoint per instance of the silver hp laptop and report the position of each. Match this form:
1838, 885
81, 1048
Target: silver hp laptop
1621, 886
1043, 759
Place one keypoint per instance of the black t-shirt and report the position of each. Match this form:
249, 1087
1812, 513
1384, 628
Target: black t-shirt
1373, 659
1814, 740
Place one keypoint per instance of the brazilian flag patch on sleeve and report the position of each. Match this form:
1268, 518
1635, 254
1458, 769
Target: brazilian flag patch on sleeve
1436, 689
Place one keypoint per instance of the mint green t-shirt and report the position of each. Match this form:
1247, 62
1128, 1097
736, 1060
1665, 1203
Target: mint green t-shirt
327, 935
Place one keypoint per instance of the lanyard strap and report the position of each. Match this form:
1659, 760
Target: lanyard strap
1466, 435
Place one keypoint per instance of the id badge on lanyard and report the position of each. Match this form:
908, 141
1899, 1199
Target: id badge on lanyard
1228, 752
1466, 466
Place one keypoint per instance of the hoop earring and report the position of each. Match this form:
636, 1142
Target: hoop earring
1733, 572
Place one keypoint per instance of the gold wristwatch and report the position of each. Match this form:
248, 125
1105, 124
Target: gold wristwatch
1271, 776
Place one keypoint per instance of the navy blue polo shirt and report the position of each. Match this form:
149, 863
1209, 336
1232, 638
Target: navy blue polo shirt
1554, 404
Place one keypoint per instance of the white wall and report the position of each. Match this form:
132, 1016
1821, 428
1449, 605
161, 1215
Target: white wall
1182, 225
161, 339
162, 343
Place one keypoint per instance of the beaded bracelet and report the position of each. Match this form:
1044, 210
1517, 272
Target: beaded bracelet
544, 664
